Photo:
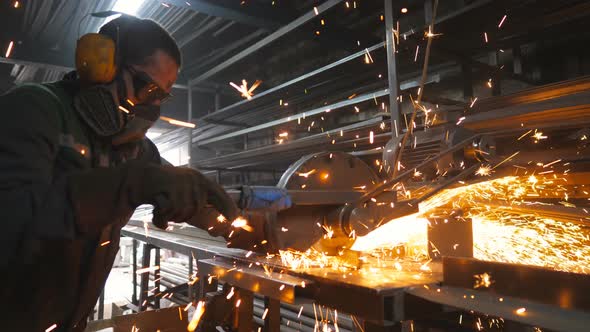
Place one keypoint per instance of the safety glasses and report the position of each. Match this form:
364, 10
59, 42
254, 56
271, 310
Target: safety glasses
146, 90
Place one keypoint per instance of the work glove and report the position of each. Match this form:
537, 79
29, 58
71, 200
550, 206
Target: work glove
102, 195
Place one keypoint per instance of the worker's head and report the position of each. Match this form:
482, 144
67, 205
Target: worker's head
148, 58
127, 71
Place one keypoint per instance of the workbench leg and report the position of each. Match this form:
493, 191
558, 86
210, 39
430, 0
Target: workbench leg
145, 277
101, 305
272, 321
191, 291
243, 318
134, 273
157, 279
206, 287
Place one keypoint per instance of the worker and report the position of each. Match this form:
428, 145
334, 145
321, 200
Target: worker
75, 163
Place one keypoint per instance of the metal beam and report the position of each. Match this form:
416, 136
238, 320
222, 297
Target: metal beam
224, 111
47, 66
265, 41
537, 314
367, 96
263, 16
12, 61
392, 68
190, 130
340, 104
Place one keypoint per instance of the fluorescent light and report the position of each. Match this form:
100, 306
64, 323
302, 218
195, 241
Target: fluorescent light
130, 7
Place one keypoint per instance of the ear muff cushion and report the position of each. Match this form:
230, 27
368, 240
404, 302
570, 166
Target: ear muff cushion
95, 58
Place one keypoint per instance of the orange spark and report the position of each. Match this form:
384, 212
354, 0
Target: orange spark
51, 328
242, 223
244, 90
502, 21
199, 311
9, 50
178, 122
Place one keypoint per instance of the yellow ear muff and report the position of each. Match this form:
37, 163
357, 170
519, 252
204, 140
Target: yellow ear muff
96, 58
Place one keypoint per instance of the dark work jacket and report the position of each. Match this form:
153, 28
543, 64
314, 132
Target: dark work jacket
49, 272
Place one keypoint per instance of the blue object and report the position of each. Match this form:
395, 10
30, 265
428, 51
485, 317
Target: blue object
264, 198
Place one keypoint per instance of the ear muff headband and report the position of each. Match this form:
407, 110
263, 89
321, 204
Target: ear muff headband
96, 58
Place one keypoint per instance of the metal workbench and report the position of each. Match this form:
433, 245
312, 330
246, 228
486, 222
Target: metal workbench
377, 298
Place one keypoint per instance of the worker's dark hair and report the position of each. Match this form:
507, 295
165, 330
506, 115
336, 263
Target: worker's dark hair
137, 39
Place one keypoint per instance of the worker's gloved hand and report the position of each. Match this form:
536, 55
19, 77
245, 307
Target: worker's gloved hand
180, 194
102, 195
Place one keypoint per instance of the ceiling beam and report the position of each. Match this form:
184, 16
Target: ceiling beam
259, 15
266, 41
47, 66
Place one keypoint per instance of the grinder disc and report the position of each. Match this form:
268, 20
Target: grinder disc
319, 225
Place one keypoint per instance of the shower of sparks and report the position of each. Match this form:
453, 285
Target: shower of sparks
485, 36
51, 328
371, 137
483, 280
197, 315
499, 233
473, 102
244, 90
520, 311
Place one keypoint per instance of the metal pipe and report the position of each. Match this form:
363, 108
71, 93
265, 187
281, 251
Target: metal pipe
190, 130
394, 108
536, 314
